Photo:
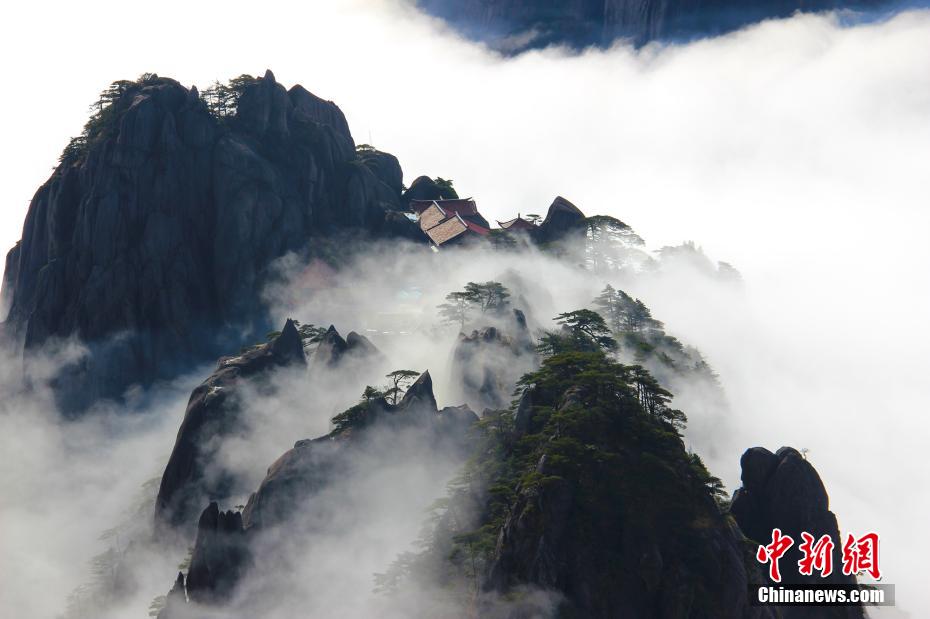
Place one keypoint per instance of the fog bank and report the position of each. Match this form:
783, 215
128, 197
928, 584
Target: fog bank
796, 149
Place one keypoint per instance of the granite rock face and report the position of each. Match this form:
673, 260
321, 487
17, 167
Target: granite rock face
176, 600
563, 220
224, 553
220, 556
151, 243
213, 412
593, 543
217, 411
313, 464
332, 349
783, 490
560, 538
487, 363
512, 26
425, 188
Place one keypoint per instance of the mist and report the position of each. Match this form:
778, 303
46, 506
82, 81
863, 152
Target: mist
76, 489
797, 150
322, 560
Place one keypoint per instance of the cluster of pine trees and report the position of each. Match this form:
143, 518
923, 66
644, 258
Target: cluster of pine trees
604, 428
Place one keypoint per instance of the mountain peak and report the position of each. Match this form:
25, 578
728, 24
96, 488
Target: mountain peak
157, 188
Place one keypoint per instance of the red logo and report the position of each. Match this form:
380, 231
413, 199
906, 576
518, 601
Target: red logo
861, 555
817, 555
773, 552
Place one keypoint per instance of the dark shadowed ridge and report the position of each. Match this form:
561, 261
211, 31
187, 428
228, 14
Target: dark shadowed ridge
159, 227
784, 491
513, 26
224, 549
214, 412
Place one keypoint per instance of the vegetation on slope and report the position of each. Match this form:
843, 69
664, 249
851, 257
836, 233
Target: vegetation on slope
588, 428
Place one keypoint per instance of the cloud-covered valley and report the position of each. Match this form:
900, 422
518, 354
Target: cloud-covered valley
796, 150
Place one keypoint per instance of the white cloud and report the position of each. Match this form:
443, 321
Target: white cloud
798, 150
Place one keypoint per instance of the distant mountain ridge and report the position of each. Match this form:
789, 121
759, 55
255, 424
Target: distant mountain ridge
512, 26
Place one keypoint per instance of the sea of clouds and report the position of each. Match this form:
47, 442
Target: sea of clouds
795, 149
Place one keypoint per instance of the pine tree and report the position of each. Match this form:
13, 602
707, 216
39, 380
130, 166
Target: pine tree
624, 313
485, 298
456, 309
585, 325
399, 381
489, 297
609, 305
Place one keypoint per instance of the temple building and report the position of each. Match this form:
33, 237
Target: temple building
516, 224
453, 221
450, 221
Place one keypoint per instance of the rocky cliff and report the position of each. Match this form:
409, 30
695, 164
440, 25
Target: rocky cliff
563, 220
487, 363
312, 464
783, 490
213, 412
333, 350
219, 409
512, 26
225, 546
581, 499
153, 234
608, 509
